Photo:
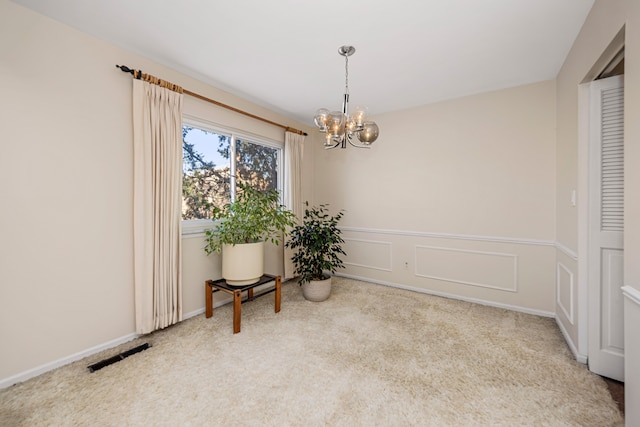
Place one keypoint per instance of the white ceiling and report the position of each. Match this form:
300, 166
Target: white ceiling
283, 54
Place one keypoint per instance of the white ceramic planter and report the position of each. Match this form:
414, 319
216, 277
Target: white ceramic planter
317, 290
242, 264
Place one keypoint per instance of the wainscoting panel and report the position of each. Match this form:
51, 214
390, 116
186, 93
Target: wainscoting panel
507, 272
565, 291
469, 267
372, 254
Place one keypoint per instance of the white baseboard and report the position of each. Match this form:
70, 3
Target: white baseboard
581, 358
199, 311
23, 376
452, 296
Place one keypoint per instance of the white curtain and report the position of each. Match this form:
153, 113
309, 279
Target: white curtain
157, 138
293, 147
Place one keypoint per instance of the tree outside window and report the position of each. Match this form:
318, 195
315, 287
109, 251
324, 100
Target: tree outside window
206, 178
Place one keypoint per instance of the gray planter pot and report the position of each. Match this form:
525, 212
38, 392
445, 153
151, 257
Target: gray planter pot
317, 290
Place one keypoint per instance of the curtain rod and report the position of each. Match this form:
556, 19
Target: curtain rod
139, 75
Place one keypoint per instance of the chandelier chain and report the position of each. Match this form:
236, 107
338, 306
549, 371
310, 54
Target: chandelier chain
346, 74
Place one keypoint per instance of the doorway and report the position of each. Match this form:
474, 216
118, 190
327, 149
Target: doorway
600, 219
606, 227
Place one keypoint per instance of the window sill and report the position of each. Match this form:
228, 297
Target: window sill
195, 227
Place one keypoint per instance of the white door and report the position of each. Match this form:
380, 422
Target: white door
606, 225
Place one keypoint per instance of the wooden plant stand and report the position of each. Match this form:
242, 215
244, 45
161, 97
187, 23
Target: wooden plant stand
211, 286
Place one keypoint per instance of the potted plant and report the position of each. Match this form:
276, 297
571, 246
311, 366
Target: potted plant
240, 230
318, 242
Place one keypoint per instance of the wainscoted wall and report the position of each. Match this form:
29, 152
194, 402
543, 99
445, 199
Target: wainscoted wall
485, 269
455, 198
631, 352
570, 302
565, 286
517, 274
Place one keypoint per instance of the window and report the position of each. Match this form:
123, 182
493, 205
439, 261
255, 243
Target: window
215, 160
205, 172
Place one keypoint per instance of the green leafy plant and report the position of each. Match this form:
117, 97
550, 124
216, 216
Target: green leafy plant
256, 216
318, 242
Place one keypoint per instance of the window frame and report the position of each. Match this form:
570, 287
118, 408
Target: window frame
197, 227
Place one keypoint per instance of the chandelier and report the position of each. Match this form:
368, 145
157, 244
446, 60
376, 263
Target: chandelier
340, 126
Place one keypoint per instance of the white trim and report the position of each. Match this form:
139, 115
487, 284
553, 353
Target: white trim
199, 311
514, 240
580, 358
370, 267
193, 235
481, 285
221, 129
494, 239
451, 296
565, 250
31, 373
39, 370
632, 294
568, 313
195, 227
584, 99
591, 323
377, 242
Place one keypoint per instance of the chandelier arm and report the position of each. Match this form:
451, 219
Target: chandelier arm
357, 145
332, 146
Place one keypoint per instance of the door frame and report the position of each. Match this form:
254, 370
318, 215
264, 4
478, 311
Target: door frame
604, 359
584, 125
584, 107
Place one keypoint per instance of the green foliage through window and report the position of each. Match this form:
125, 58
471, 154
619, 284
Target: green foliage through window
206, 174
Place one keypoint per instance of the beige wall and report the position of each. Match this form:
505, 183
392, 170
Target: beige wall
66, 270
465, 181
587, 57
605, 20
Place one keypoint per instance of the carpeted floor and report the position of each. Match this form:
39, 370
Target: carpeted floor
616, 389
369, 356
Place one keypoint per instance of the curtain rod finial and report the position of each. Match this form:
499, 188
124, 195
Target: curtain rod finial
124, 68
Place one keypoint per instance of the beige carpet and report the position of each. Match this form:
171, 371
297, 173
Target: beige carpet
369, 356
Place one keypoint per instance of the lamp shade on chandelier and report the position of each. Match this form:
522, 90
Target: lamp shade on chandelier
340, 126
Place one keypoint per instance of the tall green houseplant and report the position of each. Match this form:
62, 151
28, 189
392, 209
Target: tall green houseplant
318, 242
255, 216
242, 227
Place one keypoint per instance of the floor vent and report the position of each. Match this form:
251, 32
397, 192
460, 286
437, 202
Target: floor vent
117, 358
